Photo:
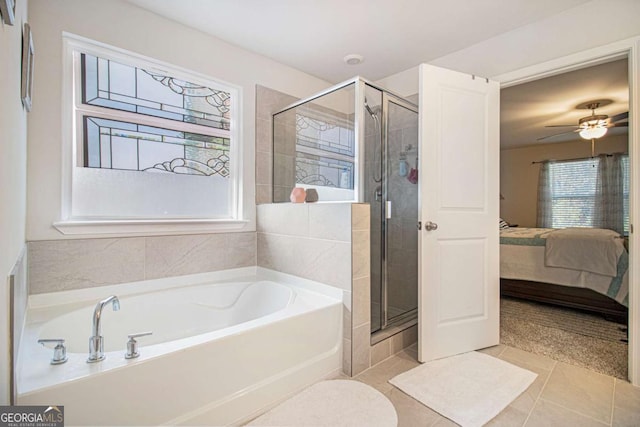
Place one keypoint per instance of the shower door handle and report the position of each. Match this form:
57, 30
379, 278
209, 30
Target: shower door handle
430, 226
387, 210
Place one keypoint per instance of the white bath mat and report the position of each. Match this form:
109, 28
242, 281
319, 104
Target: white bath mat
333, 403
469, 388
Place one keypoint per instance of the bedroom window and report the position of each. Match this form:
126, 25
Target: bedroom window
150, 141
590, 192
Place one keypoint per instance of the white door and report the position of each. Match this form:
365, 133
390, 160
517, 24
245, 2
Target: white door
459, 292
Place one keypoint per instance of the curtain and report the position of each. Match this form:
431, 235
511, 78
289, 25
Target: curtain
609, 200
545, 212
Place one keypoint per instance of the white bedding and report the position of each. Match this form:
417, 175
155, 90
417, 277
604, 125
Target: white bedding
521, 261
594, 250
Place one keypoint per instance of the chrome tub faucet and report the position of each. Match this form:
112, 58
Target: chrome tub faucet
96, 342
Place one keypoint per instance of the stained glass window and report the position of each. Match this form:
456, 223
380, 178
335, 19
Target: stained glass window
128, 145
113, 144
113, 85
151, 141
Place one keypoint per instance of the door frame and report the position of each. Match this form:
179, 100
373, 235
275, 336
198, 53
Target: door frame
629, 48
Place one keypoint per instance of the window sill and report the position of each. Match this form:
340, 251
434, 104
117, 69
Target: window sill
149, 226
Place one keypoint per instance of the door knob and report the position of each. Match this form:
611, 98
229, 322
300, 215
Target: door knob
430, 226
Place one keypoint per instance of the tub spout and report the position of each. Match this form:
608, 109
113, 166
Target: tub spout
96, 342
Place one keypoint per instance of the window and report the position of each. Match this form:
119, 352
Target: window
573, 193
149, 141
585, 193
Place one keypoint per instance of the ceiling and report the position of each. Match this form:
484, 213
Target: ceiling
526, 109
314, 35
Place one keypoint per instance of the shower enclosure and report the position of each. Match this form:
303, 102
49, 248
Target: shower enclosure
358, 142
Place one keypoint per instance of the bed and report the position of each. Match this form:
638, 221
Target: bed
583, 268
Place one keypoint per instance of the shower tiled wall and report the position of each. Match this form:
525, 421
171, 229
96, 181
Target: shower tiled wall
330, 243
268, 101
402, 261
61, 265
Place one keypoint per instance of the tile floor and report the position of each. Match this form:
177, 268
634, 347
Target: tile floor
563, 395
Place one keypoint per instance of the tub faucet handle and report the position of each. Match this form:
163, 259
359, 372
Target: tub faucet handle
132, 344
59, 351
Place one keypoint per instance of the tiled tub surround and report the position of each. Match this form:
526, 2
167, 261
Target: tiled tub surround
268, 101
61, 265
330, 243
226, 346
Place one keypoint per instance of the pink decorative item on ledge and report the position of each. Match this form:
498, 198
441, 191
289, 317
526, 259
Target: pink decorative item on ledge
298, 195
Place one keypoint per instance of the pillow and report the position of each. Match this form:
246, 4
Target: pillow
503, 224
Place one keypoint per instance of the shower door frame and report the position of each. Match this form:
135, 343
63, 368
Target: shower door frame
410, 318
385, 322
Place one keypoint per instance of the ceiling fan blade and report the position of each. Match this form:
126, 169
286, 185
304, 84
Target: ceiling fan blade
619, 125
560, 126
556, 134
619, 117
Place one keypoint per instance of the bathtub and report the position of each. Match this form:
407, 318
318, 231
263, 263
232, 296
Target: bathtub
225, 347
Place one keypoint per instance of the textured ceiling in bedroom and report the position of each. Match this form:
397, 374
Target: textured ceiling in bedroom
526, 109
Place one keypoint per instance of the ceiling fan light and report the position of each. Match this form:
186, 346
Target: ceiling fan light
593, 132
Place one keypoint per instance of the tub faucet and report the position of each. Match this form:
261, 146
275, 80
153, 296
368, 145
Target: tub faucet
96, 342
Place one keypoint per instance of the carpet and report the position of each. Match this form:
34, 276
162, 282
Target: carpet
333, 403
469, 389
564, 334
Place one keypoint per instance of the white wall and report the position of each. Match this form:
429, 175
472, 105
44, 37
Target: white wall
124, 25
13, 181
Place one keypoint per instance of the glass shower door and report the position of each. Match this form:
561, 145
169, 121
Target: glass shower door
401, 209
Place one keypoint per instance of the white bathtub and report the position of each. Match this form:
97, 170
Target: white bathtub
225, 346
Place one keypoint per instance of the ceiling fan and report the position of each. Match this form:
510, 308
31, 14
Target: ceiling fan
594, 126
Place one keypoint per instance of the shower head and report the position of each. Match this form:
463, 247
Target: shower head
366, 105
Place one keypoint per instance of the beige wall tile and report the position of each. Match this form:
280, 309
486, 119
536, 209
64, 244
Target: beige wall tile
360, 216
73, 264
346, 322
264, 194
263, 168
380, 352
290, 219
404, 339
361, 301
346, 357
168, 256
263, 135
277, 252
330, 221
360, 354
240, 250
347, 303
361, 253
326, 261
268, 101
